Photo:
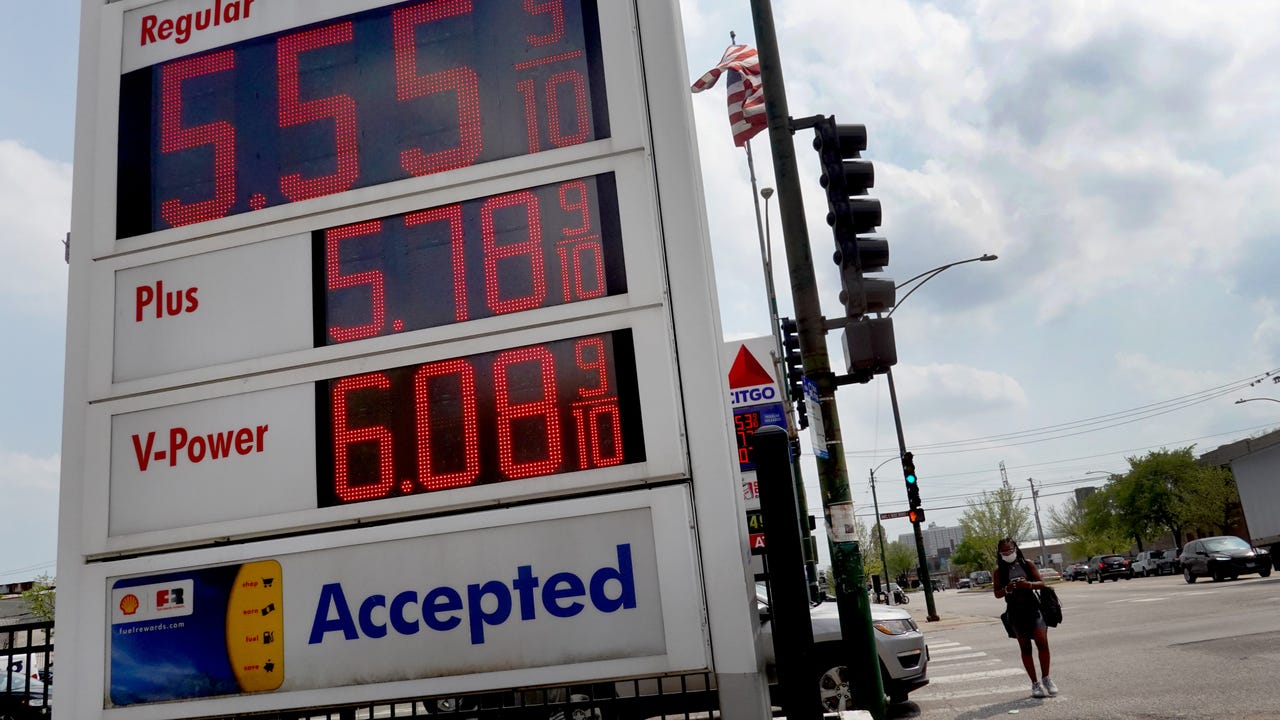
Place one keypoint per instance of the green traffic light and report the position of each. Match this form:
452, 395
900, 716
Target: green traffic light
911, 478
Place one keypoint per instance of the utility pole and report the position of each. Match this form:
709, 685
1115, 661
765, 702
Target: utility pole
884, 562
837, 500
1035, 503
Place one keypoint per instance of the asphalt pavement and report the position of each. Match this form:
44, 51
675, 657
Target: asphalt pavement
1146, 649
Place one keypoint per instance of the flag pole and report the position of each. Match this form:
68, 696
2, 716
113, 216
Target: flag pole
766, 258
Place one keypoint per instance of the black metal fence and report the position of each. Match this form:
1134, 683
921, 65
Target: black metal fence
681, 697
26, 670
26, 693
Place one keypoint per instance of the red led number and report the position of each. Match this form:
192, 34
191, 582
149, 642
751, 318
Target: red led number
372, 278
510, 423
531, 248
428, 477
597, 417
341, 108
344, 437
220, 134
509, 414
451, 214
554, 8
461, 81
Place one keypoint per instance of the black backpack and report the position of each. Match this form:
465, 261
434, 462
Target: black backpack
1050, 607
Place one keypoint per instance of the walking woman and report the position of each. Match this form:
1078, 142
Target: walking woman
1015, 580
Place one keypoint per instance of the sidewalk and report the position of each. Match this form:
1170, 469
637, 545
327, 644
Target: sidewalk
948, 621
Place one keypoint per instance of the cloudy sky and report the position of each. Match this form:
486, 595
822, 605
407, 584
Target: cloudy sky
1120, 158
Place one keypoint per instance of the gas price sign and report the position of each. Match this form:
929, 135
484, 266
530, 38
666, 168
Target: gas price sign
543, 246
550, 408
401, 91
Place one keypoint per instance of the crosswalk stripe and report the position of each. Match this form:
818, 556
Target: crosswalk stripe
950, 658
966, 664
1005, 689
987, 674
936, 645
944, 651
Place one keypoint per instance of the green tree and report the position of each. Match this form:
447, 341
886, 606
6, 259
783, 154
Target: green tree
1103, 531
901, 558
1170, 491
871, 556
39, 600
998, 514
968, 556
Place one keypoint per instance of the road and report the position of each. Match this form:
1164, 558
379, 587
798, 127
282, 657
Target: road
1148, 648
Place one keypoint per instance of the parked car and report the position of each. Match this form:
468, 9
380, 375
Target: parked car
963, 583
978, 578
1048, 574
904, 659
1075, 571
1223, 557
1153, 562
22, 694
1108, 567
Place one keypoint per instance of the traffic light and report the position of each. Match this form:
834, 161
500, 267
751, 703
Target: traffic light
846, 178
794, 367
916, 514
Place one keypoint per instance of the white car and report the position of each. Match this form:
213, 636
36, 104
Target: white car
22, 693
904, 658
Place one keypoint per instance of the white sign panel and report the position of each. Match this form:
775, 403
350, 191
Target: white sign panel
240, 456
218, 307
573, 591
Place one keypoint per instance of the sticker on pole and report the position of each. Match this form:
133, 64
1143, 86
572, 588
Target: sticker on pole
817, 433
842, 525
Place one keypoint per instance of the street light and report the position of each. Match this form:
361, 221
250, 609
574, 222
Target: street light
884, 562
1245, 400
926, 579
934, 273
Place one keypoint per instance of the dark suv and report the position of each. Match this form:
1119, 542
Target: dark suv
1104, 567
1223, 557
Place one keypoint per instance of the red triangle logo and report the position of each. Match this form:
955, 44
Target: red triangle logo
747, 371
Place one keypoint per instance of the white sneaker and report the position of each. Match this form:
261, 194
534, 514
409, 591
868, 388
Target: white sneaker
1049, 686
1037, 691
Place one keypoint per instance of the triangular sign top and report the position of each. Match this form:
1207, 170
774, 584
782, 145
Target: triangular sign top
747, 371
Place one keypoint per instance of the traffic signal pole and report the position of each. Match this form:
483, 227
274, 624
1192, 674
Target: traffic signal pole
837, 500
931, 611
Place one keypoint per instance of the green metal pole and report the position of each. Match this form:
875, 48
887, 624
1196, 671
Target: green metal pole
923, 571
837, 500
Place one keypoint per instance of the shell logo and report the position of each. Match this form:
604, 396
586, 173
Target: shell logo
129, 604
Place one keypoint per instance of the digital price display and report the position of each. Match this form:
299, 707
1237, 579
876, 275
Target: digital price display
745, 423
549, 245
402, 91
554, 407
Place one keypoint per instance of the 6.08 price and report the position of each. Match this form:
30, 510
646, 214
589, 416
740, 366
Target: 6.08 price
555, 407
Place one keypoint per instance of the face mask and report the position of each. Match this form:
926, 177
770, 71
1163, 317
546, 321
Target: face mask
1010, 557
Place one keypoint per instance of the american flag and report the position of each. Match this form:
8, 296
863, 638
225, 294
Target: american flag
746, 94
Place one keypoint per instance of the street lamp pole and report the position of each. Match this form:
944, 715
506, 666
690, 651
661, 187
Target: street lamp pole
1245, 400
875, 502
1035, 504
923, 572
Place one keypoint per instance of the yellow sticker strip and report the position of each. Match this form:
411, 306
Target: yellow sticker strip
255, 627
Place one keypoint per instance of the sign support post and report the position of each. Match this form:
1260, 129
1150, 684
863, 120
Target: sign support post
837, 501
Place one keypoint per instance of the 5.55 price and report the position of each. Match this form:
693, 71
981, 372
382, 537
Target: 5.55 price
402, 91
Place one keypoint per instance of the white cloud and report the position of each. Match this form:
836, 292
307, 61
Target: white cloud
20, 471
35, 202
